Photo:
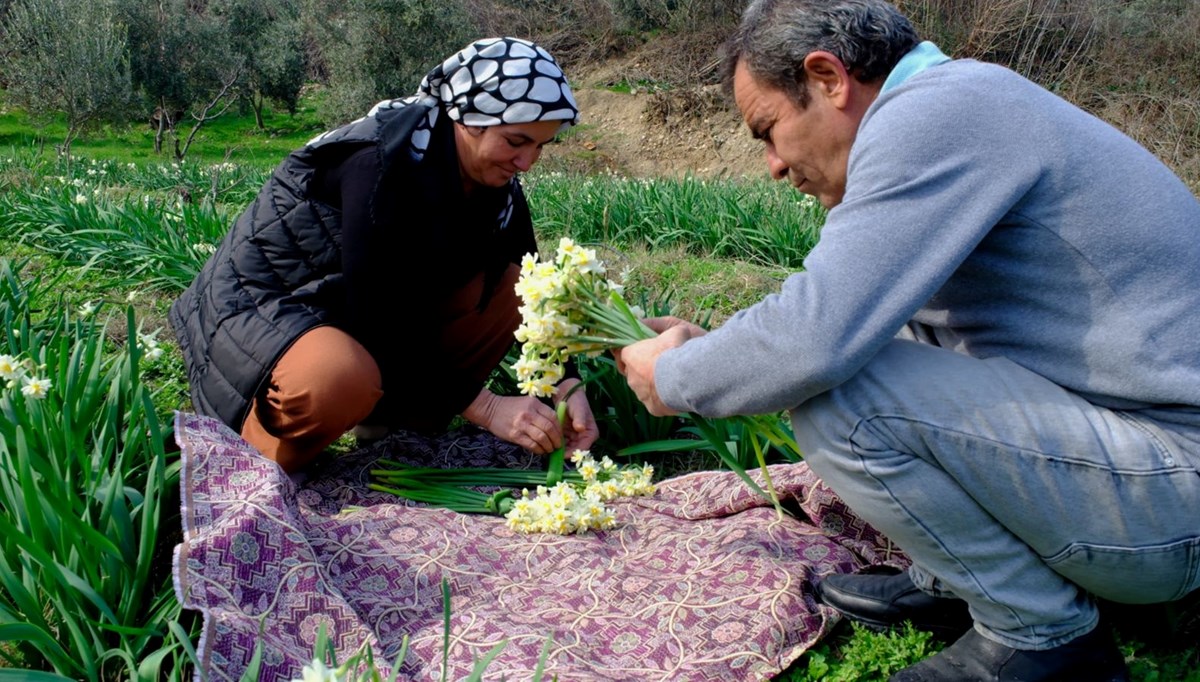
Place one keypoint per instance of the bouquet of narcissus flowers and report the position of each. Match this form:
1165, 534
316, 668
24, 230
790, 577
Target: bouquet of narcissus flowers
569, 307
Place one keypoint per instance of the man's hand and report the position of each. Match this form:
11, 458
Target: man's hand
580, 427
636, 361
523, 420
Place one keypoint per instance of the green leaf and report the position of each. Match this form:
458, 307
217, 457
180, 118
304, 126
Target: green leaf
482, 664
671, 445
12, 675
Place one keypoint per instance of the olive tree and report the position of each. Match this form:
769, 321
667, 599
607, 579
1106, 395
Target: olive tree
183, 66
268, 35
374, 49
66, 57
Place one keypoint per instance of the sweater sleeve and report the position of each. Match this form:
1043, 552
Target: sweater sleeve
924, 187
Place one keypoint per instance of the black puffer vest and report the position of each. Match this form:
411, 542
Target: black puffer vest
277, 273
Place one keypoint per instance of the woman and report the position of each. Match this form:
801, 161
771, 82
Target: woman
372, 277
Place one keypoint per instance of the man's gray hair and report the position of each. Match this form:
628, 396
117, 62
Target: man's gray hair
774, 37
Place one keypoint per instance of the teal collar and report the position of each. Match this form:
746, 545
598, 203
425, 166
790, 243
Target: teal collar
917, 60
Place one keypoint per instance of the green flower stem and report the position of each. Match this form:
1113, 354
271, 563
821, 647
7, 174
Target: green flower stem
762, 463
633, 320
554, 467
451, 497
717, 442
396, 472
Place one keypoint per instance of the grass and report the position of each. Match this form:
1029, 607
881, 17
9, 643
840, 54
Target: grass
626, 86
233, 136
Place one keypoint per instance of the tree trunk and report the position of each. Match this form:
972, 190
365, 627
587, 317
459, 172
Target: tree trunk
256, 102
159, 132
205, 114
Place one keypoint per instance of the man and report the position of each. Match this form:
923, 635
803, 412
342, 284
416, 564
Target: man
993, 352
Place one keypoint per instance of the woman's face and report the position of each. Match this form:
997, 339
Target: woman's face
490, 156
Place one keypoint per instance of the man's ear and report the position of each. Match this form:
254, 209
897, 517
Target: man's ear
828, 77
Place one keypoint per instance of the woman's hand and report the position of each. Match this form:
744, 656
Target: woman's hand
580, 426
523, 420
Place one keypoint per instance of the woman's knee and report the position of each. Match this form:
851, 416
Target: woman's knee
327, 370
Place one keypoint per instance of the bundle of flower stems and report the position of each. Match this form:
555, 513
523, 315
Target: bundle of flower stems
454, 488
562, 502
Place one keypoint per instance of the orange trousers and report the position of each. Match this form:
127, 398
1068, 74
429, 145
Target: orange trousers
327, 382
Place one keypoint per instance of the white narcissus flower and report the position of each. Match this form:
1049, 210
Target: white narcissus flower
9, 368
575, 508
317, 671
526, 367
36, 388
87, 309
149, 345
588, 470
528, 263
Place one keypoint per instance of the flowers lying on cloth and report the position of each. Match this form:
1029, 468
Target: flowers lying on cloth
570, 307
562, 502
571, 507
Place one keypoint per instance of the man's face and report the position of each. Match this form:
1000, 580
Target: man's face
810, 146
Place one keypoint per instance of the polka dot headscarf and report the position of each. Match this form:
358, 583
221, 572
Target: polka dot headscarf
501, 80
489, 82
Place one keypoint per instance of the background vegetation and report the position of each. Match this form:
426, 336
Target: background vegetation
131, 132
176, 65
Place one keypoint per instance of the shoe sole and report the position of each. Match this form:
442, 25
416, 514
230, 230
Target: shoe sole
942, 631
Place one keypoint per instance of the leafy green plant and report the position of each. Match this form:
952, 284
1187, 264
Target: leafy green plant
760, 222
141, 242
83, 479
862, 655
361, 667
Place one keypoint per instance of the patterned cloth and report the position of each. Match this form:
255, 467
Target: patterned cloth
700, 582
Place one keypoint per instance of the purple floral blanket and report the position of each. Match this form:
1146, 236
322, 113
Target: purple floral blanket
702, 581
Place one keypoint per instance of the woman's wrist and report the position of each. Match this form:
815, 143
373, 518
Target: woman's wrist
482, 408
564, 389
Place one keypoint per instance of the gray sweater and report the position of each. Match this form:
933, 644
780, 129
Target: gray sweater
1001, 220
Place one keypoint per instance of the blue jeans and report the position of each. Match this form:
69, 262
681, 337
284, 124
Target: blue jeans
1009, 491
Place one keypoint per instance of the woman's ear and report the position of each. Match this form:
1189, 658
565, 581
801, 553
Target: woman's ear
473, 131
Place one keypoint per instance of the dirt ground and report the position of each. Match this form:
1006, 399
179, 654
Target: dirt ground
672, 132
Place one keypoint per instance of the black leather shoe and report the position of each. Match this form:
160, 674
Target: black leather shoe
883, 600
1093, 657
